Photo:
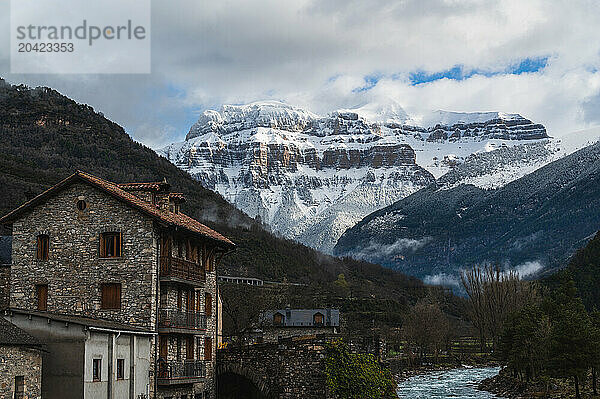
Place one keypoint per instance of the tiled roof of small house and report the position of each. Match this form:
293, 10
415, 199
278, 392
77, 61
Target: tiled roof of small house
170, 218
13, 335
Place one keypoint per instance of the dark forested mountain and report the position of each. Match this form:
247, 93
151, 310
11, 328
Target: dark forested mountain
584, 268
45, 137
535, 222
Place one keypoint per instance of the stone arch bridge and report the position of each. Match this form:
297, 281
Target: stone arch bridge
291, 368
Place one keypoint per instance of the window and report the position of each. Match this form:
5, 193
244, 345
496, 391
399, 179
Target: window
111, 296
96, 369
318, 319
189, 348
178, 349
43, 243
42, 296
81, 205
120, 369
19, 387
278, 319
207, 349
110, 245
208, 304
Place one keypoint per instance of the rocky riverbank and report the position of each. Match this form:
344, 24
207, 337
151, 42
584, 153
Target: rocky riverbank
506, 386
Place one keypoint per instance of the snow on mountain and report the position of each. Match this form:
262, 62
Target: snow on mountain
311, 177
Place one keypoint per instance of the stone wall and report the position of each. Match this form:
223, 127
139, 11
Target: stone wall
20, 361
74, 270
4, 286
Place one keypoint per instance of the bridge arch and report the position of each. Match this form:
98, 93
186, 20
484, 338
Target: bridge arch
237, 381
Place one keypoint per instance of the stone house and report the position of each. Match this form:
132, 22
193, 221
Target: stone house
20, 363
125, 254
286, 323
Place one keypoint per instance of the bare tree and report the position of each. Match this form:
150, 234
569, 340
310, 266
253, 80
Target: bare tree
493, 295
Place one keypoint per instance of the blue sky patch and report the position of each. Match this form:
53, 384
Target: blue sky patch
459, 72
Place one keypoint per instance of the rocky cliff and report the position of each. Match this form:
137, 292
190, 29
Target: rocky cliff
311, 177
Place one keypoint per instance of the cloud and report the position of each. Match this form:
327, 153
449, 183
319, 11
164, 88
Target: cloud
376, 250
442, 279
528, 268
338, 54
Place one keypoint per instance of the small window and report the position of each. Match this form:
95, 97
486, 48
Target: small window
277, 319
96, 369
42, 296
43, 244
207, 349
111, 296
120, 369
19, 387
110, 245
178, 349
81, 205
318, 319
208, 304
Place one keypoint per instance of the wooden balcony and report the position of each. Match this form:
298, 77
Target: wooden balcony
178, 321
184, 372
182, 271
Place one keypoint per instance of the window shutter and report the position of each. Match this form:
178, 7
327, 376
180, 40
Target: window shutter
42, 297
208, 304
111, 296
207, 349
102, 247
119, 246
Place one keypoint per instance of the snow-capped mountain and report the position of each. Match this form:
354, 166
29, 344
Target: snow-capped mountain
312, 177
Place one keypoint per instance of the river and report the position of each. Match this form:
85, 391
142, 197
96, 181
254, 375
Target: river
457, 383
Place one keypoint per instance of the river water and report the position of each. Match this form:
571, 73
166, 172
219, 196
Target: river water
457, 383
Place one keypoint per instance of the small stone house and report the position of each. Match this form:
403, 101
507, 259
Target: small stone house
20, 363
285, 323
125, 254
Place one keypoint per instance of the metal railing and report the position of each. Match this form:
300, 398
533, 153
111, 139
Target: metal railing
181, 268
173, 318
181, 370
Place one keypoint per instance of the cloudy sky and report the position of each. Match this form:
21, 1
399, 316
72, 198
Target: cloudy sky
537, 58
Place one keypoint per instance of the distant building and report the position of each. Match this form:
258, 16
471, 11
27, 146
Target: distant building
88, 252
284, 323
20, 363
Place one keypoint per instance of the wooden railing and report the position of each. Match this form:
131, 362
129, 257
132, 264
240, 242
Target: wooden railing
181, 268
170, 372
173, 318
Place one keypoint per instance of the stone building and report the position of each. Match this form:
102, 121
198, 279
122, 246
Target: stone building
20, 363
126, 254
286, 323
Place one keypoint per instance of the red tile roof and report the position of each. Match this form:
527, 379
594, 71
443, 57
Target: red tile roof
152, 186
169, 218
